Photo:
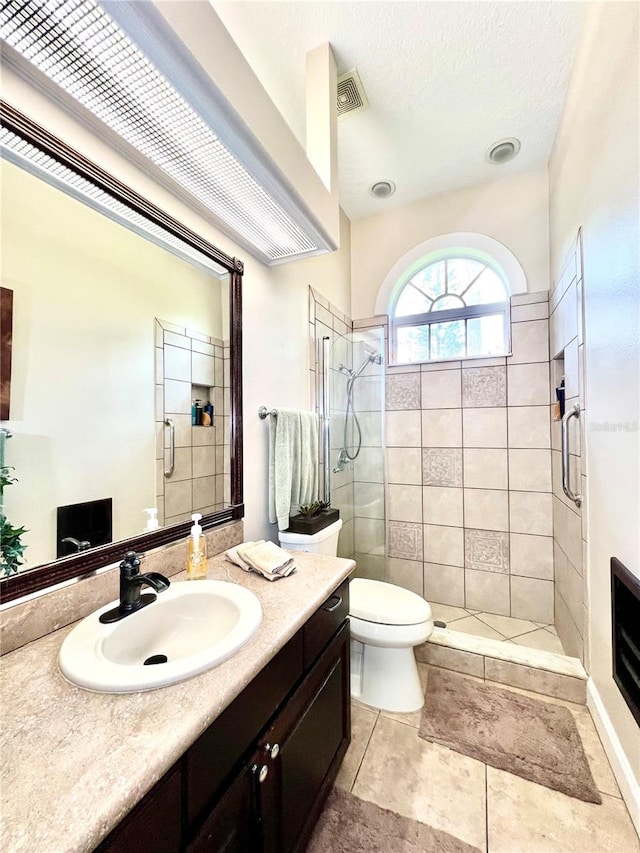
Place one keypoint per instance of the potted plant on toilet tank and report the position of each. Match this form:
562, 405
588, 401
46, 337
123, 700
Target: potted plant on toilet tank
312, 518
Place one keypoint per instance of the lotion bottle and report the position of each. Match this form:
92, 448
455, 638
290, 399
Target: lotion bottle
197, 553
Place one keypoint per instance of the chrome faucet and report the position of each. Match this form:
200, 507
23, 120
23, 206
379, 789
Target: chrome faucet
131, 582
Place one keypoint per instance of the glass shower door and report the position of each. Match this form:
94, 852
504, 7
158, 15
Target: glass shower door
356, 429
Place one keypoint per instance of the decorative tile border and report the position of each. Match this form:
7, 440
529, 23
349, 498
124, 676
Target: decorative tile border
484, 386
405, 540
486, 550
403, 391
441, 466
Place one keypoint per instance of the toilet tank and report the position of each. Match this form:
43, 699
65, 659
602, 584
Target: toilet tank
323, 542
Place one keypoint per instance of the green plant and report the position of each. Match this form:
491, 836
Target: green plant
11, 548
6, 479
309, 510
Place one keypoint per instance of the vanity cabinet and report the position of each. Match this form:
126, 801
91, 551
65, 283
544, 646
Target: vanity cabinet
255, 781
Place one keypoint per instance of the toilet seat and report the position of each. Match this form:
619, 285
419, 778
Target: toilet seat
386, 604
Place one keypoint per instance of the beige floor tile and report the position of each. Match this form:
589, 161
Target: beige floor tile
540, 639
447, 613
473, 625
362, 722
424, 781
508, 626
527, 818
598, 761
413, 718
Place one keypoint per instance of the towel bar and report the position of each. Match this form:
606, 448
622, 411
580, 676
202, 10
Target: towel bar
263, 412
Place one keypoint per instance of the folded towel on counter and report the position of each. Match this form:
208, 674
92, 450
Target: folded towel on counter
293, 463
262, 557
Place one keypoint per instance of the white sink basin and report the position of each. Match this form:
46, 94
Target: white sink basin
194, 624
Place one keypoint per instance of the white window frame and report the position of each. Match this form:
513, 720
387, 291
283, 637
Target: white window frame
469, 245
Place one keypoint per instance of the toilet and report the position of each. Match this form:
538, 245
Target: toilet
387, 621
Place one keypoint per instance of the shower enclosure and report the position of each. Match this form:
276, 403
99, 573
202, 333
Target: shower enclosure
355, 422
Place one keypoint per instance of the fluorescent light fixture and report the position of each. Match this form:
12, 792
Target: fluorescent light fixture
79, 47
27, 156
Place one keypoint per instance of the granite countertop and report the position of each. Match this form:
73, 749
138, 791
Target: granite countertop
75, 762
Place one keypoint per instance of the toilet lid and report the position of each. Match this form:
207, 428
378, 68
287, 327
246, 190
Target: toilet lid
386, 603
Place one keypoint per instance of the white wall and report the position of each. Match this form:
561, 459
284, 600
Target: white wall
276, 363
595, 183
512, 210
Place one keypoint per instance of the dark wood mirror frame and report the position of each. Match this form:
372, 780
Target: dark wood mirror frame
77, 565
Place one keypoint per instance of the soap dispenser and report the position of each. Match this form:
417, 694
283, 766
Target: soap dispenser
152, 520
197, 554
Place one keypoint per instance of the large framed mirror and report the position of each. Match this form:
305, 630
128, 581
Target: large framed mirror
126, 366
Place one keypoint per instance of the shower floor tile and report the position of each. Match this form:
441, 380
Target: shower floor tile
474, 625
540, 639
447, 613
508, 629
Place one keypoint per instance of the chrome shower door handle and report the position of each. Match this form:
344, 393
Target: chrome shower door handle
573, 412
172, 446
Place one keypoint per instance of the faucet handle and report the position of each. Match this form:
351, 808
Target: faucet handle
131, 563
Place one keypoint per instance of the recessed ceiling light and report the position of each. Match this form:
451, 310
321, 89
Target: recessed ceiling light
382, 189
503, 151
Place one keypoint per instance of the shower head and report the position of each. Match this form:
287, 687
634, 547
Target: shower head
371, 358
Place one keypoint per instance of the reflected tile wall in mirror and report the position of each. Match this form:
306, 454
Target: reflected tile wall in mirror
190, 365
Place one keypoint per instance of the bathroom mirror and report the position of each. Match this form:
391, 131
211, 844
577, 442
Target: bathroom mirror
122, 317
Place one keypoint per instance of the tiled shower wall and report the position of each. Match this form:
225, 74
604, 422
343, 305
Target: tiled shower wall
569, 520
201, 479
469, 502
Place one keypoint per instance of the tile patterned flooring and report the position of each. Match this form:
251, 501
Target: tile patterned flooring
388, 764
534, 635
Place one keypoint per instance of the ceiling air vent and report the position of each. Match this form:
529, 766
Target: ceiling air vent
351, 96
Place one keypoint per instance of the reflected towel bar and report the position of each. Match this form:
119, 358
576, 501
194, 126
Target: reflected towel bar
573, 412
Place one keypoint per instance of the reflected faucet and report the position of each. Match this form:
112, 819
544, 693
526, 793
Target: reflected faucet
131, 581
78, 544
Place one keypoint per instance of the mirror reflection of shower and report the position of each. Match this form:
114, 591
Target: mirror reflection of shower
349, 452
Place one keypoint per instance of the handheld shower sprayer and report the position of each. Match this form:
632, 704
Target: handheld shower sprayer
345, 455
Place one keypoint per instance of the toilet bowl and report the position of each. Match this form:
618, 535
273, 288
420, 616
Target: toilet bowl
387, 621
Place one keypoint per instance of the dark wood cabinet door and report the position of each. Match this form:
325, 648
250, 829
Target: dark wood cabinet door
234, 825
311, 736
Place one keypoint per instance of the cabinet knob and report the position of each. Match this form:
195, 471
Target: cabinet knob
272, 750
264, 772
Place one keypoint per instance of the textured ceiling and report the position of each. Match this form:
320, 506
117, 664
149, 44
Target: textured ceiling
444, 81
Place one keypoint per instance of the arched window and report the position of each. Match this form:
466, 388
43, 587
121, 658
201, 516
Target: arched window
451, 307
